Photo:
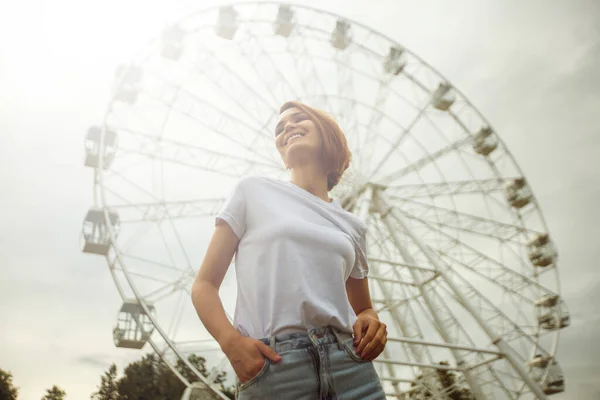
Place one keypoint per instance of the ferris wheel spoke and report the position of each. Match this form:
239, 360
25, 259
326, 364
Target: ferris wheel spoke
359, 73
483, 265
504, 277
396, 145
437, 189
116, 174
216, 121
445, 218
256, 106
143, 276
162, 292
234, 89
374, 121
430, 158
176, 317
194, 156
271, 74
228, 127
305, 67
159, 211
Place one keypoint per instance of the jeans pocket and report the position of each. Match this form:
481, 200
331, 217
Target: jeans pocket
246, 385
351, 350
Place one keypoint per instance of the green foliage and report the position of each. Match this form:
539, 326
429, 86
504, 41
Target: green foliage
151, 379
108, 389
54, 393
7, 390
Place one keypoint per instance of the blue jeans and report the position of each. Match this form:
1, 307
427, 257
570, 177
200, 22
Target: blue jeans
321, 364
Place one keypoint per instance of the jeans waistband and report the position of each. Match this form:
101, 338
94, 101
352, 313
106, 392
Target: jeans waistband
312, 338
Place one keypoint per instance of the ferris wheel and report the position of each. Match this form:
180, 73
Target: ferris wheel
463, 270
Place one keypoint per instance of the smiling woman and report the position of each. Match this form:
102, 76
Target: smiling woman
304, 324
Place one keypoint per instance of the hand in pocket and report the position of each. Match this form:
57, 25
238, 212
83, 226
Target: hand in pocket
247, 357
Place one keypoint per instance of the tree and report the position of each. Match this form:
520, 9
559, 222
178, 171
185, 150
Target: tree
7, 390
151, 379
54, 393
108, 388
141, 379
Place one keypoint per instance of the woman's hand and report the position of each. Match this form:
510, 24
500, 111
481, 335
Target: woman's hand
370, 335
247, 356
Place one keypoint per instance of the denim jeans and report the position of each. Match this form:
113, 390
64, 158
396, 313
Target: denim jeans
321, 364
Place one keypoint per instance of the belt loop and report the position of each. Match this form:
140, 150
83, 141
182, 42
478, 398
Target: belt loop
272, 345
338, 338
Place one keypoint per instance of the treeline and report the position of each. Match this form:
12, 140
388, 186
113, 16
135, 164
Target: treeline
151, 379
147, 379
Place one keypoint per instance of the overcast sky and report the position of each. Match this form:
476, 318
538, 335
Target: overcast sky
532, 68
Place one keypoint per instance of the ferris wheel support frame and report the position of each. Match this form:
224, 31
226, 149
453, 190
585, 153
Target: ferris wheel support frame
363, 204
388, 213
417, 277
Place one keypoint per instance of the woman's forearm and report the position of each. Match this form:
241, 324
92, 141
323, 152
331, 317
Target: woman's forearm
209, 307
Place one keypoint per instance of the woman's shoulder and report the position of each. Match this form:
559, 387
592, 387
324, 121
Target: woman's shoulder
257, 183
355, 221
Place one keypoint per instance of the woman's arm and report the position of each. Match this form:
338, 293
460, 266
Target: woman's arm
359, 296
205, 290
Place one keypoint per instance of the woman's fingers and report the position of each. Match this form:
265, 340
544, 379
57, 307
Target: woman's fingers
372, 327
378, 339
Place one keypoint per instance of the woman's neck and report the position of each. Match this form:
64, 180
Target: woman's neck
311, 178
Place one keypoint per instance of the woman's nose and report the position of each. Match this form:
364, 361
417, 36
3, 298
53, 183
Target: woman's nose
288, 125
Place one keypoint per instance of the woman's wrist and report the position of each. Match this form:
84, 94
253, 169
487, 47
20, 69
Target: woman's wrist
369, 312
227, 338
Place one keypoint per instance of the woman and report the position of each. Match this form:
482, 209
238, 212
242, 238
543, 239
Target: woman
301, 271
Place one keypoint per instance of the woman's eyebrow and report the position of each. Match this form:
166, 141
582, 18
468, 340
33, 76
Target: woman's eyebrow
282, 121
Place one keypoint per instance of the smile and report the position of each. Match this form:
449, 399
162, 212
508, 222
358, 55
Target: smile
293, 137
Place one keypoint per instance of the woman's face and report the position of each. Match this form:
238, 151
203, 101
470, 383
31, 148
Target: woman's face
296, 137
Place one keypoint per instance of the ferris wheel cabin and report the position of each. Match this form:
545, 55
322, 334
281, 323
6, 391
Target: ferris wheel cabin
93, 150
284, 24
172, 43
443, 97
134, 326
518, 193
227, 23
552, 312
485, 141
96, 238
546, 371
395, 61
128, 83
541, 251
341, 37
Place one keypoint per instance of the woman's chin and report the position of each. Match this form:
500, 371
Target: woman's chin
298, 153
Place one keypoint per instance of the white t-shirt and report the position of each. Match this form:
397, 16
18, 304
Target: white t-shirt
296, 252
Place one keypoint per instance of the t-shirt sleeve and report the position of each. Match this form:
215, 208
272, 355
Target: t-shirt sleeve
360, 269
234, 210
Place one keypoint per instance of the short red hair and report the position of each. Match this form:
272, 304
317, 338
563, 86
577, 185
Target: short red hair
336, 155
